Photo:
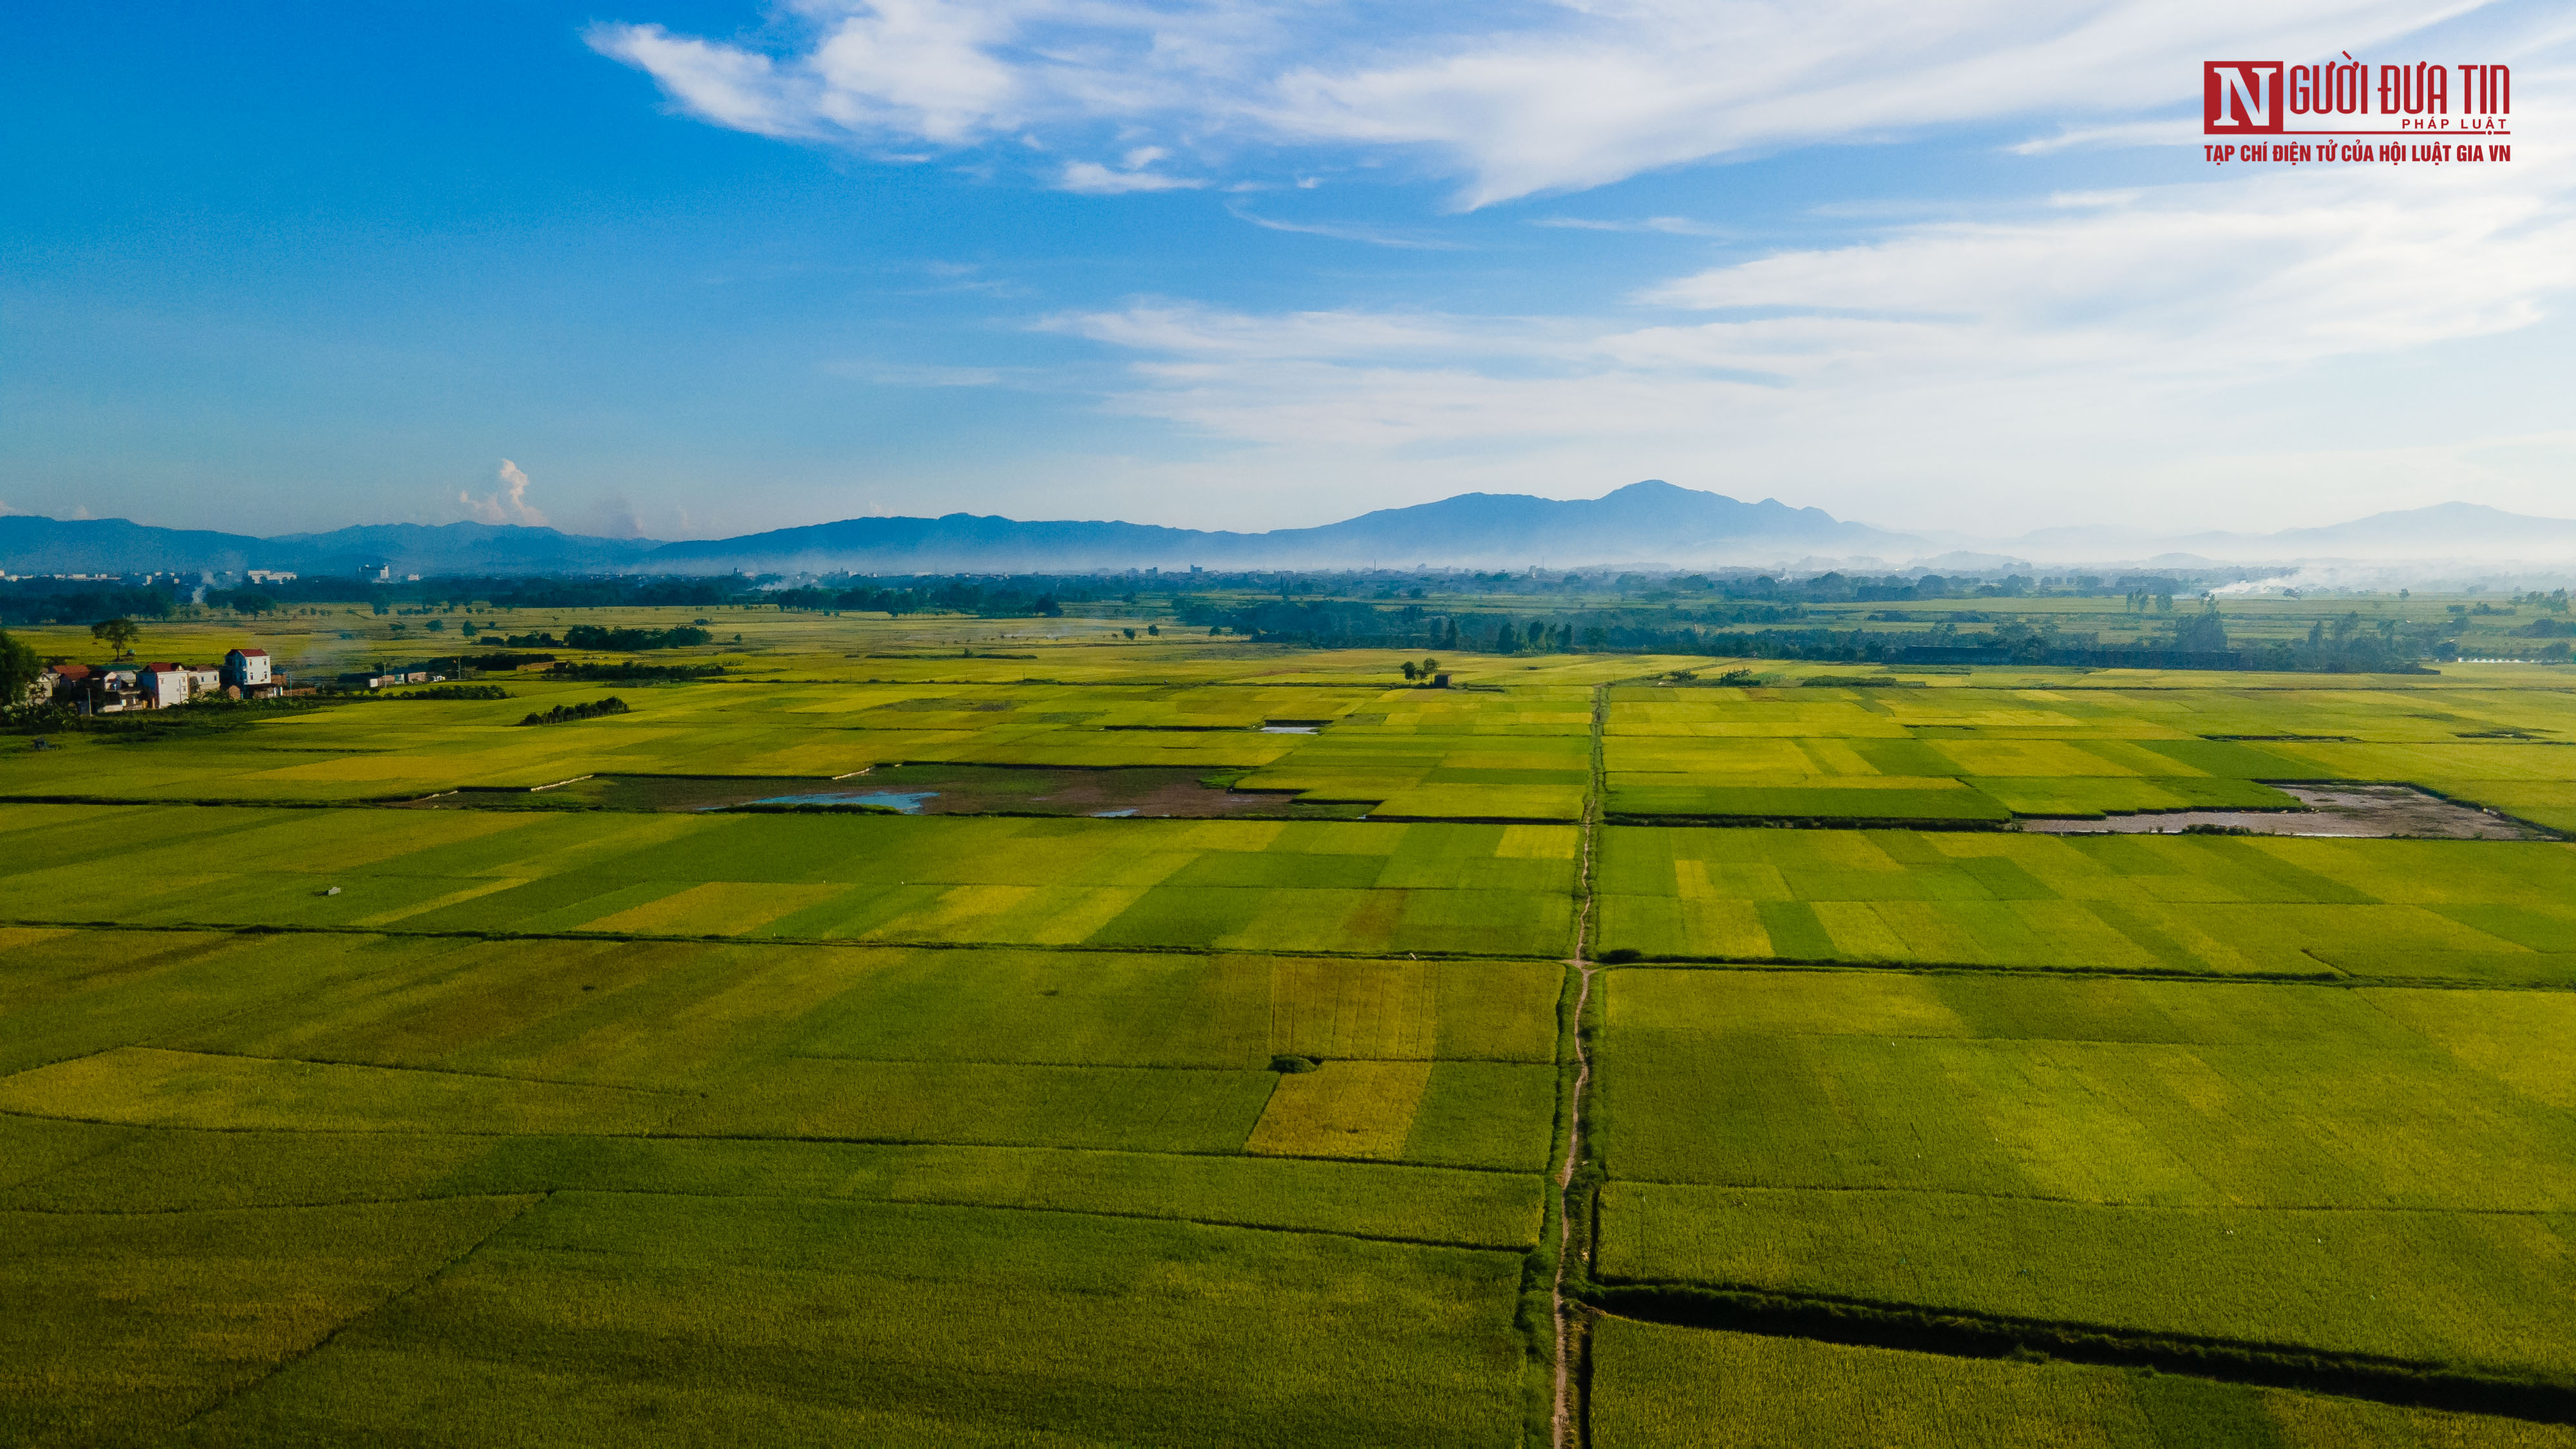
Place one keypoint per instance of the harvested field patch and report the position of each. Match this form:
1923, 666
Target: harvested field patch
2348, 811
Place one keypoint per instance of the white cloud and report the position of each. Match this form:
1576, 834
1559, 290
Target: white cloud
506, 504
1668, 225
2218, 345
1093, 179
2180, 132
2205, 281
719, 83
1537, 98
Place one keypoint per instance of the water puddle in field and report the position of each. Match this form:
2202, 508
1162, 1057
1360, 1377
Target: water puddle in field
1113, 793
909, 804
2350, 811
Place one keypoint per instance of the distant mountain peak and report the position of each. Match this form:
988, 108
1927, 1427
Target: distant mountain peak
1647, 523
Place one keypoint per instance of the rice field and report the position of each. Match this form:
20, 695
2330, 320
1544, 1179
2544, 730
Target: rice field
2199, 905
549, 1113
1964, 755
1677, 1388
1210, 884
589, 1318
2318, 1168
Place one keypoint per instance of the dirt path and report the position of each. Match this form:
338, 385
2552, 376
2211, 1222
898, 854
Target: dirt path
1569, 1432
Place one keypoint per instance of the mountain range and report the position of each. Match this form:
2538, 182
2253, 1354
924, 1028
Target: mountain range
1644, 524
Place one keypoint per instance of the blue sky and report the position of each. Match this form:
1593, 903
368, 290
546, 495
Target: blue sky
697, 269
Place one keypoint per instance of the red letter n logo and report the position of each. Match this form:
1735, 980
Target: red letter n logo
2240, 97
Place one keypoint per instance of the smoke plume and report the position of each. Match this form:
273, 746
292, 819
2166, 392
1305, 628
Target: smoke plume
507, 504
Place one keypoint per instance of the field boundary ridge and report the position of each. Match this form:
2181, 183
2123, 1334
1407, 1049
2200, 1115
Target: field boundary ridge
1969, 1335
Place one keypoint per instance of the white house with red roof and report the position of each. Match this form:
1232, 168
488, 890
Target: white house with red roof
162, 685
246, 669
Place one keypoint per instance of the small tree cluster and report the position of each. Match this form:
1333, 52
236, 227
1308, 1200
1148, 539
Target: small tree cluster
567, 713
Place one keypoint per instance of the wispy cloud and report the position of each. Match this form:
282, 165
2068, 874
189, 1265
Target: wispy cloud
2111, 336
1668, 225
1512, 102
2181, 132
1132, 173
1348, 231
2215, 280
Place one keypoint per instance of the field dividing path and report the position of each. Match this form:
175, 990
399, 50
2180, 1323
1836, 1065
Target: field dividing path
1568, 1433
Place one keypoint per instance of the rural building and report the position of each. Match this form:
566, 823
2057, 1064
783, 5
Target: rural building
246, 669
366, 680
88, 689
162, 685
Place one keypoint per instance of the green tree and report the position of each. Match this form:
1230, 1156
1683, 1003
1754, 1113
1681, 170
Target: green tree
19, 667
118, 634
2202, 631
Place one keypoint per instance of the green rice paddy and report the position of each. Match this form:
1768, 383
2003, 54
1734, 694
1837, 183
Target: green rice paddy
361, 1080
1697, 1389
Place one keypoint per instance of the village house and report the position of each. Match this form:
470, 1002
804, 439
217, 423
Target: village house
58, 682
164, 685
108, 689
246, 674
89, 689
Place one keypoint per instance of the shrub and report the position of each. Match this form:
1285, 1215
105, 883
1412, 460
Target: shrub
593, 636
567, 713
632, 672
446, 691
